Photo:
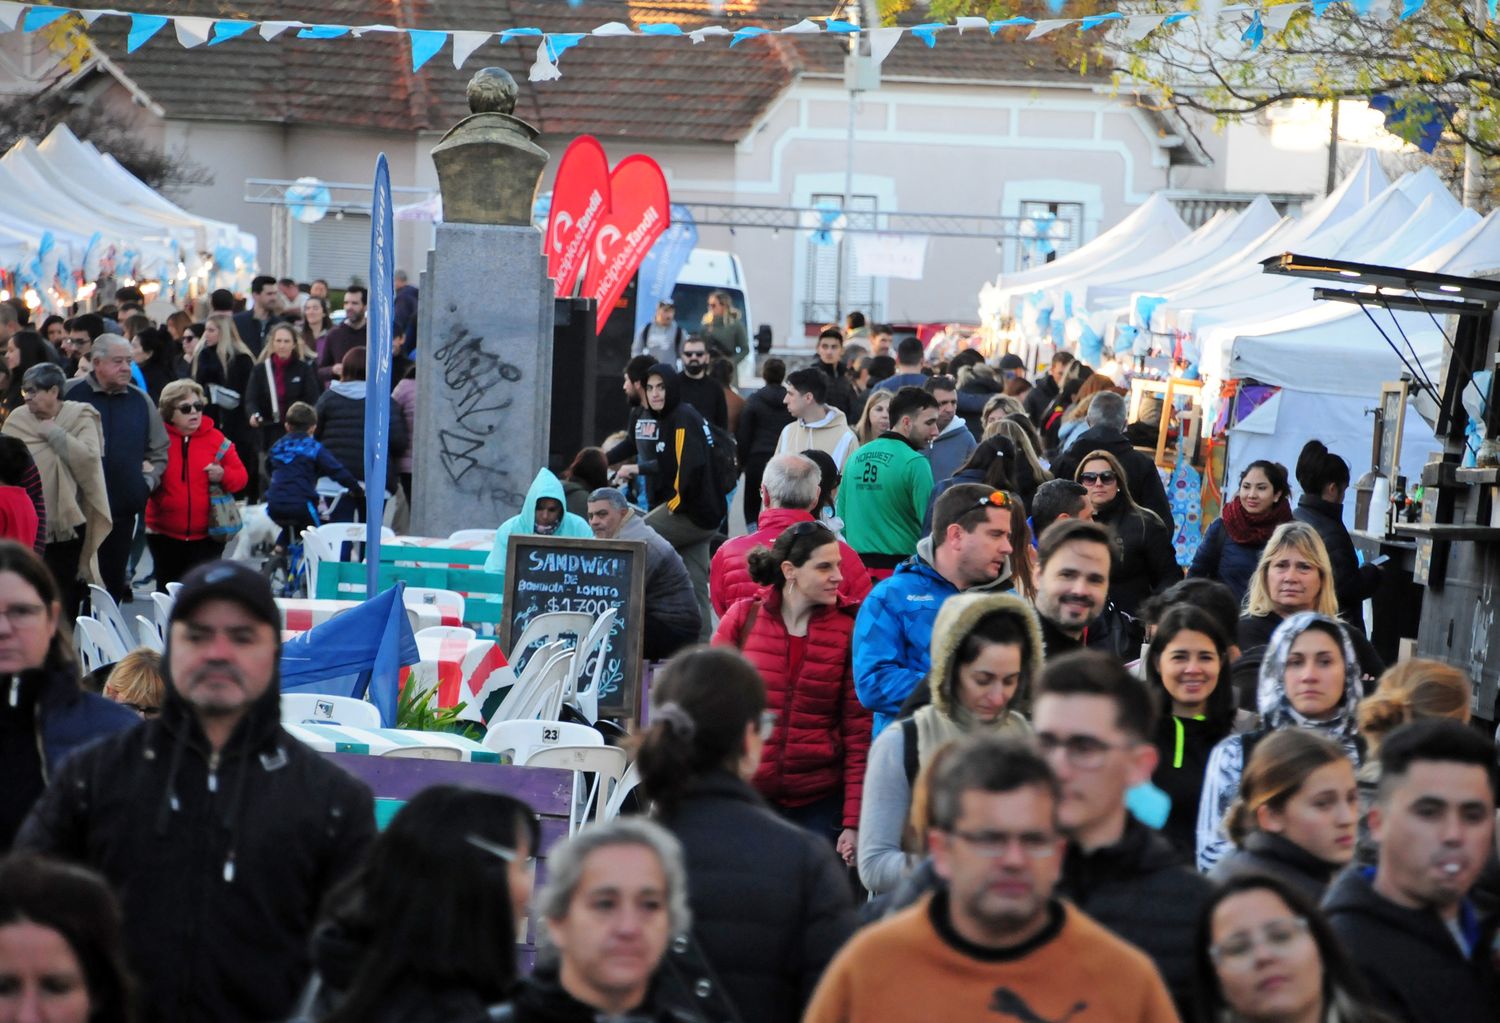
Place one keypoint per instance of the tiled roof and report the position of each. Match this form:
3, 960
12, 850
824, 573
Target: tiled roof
662, 90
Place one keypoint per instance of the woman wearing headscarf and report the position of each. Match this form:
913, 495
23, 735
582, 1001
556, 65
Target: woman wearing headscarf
1309, 678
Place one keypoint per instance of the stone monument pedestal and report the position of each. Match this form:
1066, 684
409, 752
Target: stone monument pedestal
483, 377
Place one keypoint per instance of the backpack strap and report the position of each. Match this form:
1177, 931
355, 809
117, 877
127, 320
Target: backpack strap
911, 756
749, 623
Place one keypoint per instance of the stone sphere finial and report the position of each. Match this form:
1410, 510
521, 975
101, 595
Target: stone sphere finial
492, 91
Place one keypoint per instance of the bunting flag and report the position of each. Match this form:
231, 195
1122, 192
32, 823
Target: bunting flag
1253, 22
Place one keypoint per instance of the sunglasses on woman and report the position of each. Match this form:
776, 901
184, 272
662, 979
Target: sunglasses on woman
1089, 479
190, 407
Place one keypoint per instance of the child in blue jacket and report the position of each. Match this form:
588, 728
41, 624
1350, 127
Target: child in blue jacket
297, 460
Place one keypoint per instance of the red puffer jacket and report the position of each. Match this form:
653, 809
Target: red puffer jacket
822, 736
729, 574
179, 507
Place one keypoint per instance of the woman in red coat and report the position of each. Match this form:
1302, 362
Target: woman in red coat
177, 515
797, 632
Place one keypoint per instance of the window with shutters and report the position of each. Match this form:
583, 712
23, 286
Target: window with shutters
334, 249
1044, 214
822, 302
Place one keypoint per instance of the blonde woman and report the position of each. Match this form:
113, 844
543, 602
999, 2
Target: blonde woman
222, 364
876, 418
1294, 575
283, 374
136, 681
723, 328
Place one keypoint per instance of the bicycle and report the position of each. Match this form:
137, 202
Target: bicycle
286, 570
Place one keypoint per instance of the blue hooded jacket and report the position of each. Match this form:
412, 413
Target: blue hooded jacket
297, 460
893, 633
524, 521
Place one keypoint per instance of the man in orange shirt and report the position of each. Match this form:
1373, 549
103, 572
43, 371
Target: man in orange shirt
994, 944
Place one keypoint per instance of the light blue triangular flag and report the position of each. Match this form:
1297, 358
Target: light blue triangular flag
323, 32
664, 29
511, 33
1254, 32
562, 42
425, 43
928, 32
1410, 7
229, 30
746, 33
1098, 19
142, 28
41, 17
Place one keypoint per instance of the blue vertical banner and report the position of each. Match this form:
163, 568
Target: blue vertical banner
378, 362
663, 262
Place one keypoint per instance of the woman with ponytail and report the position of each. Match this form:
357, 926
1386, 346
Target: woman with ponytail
796, 631
1408, 691
1324, 479
1296, 813
770, 906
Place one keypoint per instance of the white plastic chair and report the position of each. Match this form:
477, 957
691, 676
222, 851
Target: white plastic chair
173, 589
585, 698
413, 596
150, 634
545, 699
441, 632
334, 535
425, 752
523, 738
318, 709
470, 535
520, 690
163, 604
616, 801
96, 642
108, 612
606, 763
547, 628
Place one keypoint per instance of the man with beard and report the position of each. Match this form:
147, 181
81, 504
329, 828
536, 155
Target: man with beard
993, 942
220, 833
700, 390
346, 336
543, 513
1075, 558
968, 551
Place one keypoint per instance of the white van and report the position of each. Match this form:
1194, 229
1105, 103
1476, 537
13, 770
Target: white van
706, 271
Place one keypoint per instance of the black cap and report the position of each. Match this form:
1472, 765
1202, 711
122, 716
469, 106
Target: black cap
228, 580
1012, 361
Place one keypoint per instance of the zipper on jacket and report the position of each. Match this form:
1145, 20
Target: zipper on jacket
213, 771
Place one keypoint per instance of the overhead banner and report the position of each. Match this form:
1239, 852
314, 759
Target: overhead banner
639, 212
890, 255
580, 199
663, 263
378, 367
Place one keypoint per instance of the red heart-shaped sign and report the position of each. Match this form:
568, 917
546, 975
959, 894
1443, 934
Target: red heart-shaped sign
640, 210
580, 199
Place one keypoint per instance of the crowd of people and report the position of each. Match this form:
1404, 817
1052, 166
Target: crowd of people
948, 731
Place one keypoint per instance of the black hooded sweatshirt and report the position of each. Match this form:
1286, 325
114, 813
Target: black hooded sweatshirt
673, 447
219, 860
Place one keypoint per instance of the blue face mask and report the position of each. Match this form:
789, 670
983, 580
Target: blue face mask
1149, 804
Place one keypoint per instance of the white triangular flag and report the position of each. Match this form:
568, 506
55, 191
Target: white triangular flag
1380, 10
543, 70
193, 32
271, 29
613, 28
972, 22
89, 17
10, 14
1136, 28
1209, 10
883, 41
465, 43
1276, 18
802, 28
700, 34
1041, 28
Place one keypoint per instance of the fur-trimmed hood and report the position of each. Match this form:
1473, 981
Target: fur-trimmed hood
957, 618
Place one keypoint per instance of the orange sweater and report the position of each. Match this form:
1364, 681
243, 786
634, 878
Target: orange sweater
903, 970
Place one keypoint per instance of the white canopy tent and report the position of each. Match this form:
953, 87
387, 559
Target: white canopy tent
1151, 229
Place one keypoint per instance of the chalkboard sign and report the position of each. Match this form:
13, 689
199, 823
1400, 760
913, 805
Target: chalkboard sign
1392, 423
545, 574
